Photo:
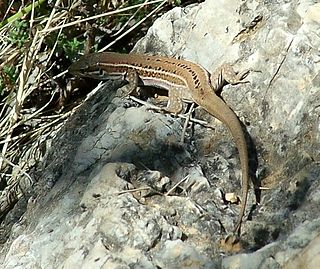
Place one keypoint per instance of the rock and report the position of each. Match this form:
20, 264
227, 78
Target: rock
176, 254
299, 250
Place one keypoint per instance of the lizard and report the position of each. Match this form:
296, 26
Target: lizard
184, 81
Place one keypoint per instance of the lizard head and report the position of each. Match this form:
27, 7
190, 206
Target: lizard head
88, 66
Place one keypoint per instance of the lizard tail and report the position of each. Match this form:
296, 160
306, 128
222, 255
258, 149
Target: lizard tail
220, 110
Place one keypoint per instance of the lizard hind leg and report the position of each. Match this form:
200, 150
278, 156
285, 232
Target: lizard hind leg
225, 74
175, 104
232, 77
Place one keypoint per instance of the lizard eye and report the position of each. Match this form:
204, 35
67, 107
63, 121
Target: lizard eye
101, 72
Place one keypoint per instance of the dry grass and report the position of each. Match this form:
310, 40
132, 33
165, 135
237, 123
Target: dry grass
33, 100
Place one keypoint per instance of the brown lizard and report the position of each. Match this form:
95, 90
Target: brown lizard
185, 81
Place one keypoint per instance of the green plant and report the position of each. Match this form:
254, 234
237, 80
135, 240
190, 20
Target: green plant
19, 33
70, 47
8, 76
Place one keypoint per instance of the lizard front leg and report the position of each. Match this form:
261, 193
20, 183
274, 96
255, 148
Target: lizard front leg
133, 79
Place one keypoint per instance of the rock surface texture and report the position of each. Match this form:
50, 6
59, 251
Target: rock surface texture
119, 190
